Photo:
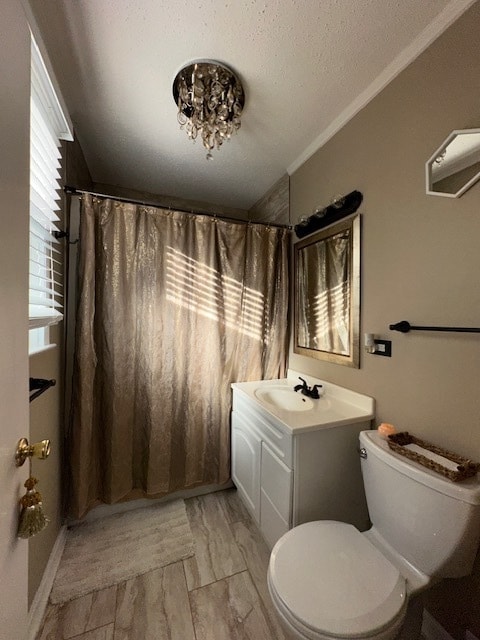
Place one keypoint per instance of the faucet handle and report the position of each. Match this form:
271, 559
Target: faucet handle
314, 391
301, 387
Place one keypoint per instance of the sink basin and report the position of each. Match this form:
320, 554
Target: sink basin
295, 412
284, 398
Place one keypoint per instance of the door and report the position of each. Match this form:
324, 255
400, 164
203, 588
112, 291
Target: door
14, 210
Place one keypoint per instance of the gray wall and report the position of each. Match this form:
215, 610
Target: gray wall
274, 205
420, 260
170, 202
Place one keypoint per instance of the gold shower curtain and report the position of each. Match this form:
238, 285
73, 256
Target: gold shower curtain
172, 309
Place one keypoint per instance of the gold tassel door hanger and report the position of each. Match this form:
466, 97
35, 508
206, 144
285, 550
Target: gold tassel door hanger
32, 519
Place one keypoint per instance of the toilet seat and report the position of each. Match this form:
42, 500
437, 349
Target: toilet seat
330, 581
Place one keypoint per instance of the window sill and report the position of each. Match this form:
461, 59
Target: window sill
47, 347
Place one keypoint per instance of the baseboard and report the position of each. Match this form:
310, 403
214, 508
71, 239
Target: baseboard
432, 629
105, 510
39, 604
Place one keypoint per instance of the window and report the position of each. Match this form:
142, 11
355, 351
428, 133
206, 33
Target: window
48, 126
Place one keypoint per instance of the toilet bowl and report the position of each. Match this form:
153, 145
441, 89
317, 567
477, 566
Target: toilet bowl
327, 580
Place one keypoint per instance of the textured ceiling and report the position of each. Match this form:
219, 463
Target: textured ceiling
302, 63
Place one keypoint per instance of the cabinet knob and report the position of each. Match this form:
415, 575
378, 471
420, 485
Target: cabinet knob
363, 453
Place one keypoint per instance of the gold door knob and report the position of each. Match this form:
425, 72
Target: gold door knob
40, 450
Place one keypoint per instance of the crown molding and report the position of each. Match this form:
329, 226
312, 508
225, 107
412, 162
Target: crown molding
453, 10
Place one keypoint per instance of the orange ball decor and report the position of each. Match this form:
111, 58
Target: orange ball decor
386, 430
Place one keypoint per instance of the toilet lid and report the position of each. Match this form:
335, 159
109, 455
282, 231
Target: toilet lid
334, 580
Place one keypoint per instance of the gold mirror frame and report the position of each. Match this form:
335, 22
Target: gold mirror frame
346, 349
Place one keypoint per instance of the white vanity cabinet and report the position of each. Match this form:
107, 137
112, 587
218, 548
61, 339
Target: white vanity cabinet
286, 475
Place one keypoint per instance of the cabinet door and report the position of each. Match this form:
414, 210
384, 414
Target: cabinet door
246, 458
276, 481
272, 525
275, 497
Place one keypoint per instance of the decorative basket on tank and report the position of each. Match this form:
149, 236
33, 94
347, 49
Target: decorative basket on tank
465, 468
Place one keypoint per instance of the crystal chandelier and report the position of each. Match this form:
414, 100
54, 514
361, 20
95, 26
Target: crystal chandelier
210, 100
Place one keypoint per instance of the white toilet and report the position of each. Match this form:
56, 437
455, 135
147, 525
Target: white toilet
327, 580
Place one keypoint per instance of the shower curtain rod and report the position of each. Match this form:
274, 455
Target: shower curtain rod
73, 191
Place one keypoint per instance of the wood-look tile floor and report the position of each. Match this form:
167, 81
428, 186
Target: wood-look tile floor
220, 593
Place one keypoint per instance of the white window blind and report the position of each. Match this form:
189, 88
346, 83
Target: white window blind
47, 127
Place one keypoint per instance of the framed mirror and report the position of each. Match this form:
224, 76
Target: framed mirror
327, 294
455, 165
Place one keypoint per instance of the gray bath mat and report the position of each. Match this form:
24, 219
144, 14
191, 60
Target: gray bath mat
113, 549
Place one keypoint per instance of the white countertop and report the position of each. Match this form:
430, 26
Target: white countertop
336, 406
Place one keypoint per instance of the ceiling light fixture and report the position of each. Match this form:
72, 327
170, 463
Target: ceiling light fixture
210, 100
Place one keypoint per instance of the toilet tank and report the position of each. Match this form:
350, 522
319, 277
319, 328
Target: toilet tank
432, 522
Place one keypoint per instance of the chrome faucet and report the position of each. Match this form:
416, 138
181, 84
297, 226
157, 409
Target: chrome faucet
311, 392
